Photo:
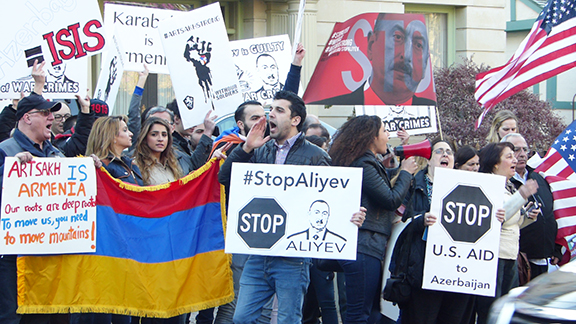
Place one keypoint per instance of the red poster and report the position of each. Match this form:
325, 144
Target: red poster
375, 59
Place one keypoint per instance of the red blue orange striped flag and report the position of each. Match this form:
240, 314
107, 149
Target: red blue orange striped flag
159, 253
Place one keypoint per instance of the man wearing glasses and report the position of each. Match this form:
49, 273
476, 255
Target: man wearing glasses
537, 239
73, 142
31, 138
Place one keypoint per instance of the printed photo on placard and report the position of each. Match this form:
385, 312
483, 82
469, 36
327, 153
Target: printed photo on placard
293, 211
58, 34
375, 59
262, 65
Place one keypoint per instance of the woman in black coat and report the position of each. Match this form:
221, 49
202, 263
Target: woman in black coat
356, 145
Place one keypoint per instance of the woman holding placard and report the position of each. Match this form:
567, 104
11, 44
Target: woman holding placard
425, 306
356, 145
498, 158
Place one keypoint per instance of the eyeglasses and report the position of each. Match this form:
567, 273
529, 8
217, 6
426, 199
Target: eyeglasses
441, 151
518, 149
45, 112
60, 117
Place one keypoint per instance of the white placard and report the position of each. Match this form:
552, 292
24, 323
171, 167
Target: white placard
200, 62
137, 30
48, 206
415, 120
298, 29
111, 71
58, 32
293, 210
262, 65
462, 247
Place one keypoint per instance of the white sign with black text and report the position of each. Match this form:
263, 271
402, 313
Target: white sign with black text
200, 63
262, 65
293, 210
415, 120
137, 30
462, 247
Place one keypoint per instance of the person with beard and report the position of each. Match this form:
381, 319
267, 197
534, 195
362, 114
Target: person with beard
399, 57
264, 276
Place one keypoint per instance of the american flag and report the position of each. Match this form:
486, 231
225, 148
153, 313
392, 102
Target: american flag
548, 50
557, 167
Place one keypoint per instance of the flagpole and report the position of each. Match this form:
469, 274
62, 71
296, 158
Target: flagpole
439, 123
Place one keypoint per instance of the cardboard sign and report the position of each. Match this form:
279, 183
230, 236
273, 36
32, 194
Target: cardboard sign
415, 120
110, 74
462, 247
48, 206
375, 59
261, 66
200, 63
137, 30
57, 32
293, 210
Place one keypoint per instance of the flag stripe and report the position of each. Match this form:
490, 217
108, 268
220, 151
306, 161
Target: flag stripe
155, 201
548, 49
146, 240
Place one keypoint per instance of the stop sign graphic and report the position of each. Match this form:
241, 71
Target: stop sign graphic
261, 223
466, 213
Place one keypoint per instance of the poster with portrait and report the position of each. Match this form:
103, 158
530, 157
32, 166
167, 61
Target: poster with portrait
415, 120
375, 59
293, 210
200, 63
60, 33
111, 70
137, 30
261, 66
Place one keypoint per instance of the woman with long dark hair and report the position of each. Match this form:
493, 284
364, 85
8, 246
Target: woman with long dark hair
356, 145
154, 154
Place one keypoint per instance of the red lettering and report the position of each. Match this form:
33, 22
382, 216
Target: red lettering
65, 43
80, 50
49, 39
15, 167
96, 35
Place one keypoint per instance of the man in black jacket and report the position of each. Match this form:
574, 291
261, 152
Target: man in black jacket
287, 277
536, 239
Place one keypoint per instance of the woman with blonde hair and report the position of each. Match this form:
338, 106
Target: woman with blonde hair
504, 122
108, 138
154, 154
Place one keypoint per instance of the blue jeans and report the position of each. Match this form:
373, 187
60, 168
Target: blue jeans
323, 283
262, 277
363, 282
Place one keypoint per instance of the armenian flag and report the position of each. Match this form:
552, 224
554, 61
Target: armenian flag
159, 253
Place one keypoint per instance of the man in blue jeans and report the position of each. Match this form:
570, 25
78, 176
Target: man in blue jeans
264, 276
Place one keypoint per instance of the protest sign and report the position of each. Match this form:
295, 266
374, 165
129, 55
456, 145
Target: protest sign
375, 59
53, 31
137, 30
200, 63
415, 120
261, 66
293, 210
111, 71
462, 247
48, 206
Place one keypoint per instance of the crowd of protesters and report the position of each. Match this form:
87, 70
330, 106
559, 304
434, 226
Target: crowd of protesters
154, 148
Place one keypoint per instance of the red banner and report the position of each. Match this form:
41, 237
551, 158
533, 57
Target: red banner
375, 59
